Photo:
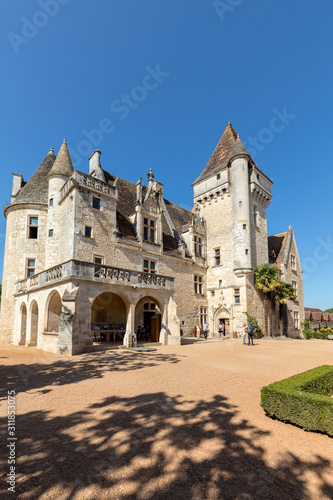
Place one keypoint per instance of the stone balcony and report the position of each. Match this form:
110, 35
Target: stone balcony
86, 181
87, 271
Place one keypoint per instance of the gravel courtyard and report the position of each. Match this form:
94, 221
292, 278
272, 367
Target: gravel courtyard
183, 422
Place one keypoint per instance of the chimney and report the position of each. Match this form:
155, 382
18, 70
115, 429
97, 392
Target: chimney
95, 168
17, 184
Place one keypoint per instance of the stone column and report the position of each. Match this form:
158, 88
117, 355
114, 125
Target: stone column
130, 335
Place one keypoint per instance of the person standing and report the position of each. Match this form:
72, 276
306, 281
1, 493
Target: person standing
250, 332
244, 333
197, 329
205, 329
221, 330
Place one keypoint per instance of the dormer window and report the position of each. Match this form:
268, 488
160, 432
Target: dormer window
198, 246
149, 229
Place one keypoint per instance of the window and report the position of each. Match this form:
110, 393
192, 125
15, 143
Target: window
198, 246
203, 315
96, 203
51, 202
246, 251
217, 257
293, 262
220, 283
50, 233
149, 306
218, 176
31, 265
98, 260
33, 228
240, 203
149, 230
237, 295
244, 226
296, 320
198, 284
87, 231
149, 266
213, 293
294, 285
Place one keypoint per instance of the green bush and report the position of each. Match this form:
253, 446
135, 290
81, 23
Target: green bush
303, 399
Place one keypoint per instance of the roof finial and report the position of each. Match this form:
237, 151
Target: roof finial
51, 150
150, 175
65, 141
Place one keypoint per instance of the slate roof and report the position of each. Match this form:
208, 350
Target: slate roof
126, 207
314, 309
239, 148
63, 163
221, 154
36, 189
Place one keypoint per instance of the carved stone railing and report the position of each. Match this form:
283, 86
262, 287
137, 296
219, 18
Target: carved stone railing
54, 273
151, 279
114, 273
87, 181
87, 271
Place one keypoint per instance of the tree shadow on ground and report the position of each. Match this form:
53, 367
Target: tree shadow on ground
154, 447
38, 374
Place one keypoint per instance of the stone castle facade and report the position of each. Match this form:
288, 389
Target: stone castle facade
91, 255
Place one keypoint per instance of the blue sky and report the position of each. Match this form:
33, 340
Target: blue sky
154, 83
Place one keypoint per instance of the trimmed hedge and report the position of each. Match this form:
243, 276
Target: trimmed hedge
303, 399
309, 334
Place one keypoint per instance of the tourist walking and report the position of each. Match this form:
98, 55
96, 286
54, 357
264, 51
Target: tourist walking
250, 332
205, 329
244, 331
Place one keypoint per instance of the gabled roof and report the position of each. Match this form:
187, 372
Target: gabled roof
126, 207
221, 154
63, 163
276, 246
36, 189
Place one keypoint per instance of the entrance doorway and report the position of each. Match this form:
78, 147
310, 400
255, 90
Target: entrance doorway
148, 320
226, 323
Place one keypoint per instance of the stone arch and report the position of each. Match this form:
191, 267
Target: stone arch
23, 328
53, 311
148, 314
33, 323
108, 316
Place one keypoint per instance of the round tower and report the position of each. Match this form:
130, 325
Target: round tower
241, 209
61, 171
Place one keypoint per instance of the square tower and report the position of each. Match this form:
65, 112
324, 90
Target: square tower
232, 195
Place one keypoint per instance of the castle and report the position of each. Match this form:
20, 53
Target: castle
90, 256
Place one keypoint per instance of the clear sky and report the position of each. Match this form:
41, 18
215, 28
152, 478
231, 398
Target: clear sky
153, 84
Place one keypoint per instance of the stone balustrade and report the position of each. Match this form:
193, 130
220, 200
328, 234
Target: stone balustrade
74, 269
87, 181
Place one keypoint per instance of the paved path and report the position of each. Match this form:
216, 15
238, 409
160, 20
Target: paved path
183, 422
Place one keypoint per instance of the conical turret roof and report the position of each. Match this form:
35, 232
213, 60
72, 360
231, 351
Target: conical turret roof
221, 154
239, 148
36, 189
63, 164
